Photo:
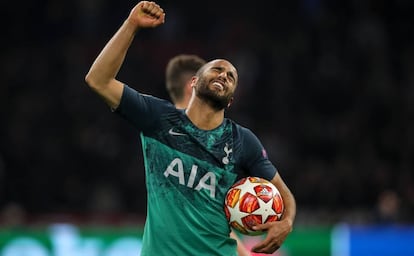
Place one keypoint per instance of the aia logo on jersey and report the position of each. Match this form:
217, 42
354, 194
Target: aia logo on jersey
193, 180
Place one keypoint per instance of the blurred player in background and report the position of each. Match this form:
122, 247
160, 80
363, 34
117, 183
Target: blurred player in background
178, 73
180, 69
191, 156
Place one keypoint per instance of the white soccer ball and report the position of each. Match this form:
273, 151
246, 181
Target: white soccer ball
251, 201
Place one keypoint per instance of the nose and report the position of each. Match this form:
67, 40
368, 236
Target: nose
223, 74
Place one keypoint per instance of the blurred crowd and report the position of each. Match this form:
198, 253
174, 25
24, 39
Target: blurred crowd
328, 86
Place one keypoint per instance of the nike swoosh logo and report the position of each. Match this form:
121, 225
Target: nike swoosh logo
172, 132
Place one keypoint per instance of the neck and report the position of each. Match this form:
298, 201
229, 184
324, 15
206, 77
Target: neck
180, 105
203, 116
183, 103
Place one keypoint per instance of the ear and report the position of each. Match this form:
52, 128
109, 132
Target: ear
193, 81
230, 102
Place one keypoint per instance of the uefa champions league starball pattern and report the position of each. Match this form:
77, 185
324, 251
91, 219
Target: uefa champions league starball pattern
251, 201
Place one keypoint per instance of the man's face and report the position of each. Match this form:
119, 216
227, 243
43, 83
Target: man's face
216, 83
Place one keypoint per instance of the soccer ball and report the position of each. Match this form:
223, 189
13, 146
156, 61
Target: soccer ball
251, 201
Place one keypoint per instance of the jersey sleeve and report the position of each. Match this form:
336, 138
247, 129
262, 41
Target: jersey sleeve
255, 159
141, 110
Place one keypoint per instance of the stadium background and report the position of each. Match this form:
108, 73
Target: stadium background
326, 85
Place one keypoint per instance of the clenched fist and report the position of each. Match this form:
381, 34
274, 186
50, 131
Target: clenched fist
146, 14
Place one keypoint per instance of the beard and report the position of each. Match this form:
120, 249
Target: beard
211, 97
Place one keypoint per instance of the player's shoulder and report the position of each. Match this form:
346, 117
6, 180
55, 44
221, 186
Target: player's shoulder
242, 135
239, 129
158, 101
132, 93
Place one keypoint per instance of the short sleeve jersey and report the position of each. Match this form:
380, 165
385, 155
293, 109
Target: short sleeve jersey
188, 172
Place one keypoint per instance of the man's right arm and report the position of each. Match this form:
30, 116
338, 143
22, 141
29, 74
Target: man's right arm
102, 74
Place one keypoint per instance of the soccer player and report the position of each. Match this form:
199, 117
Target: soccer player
180, 69
191, 156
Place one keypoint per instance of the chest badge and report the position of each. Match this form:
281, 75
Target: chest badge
227, 150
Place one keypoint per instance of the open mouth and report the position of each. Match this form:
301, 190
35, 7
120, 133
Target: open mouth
218, 86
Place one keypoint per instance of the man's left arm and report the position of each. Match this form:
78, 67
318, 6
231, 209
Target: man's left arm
259, 165
278, 231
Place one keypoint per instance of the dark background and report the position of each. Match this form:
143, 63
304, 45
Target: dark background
327, 86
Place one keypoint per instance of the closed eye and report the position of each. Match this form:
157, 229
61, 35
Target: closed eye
229, 74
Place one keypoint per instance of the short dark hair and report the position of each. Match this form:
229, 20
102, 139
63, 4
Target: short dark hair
179, 69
